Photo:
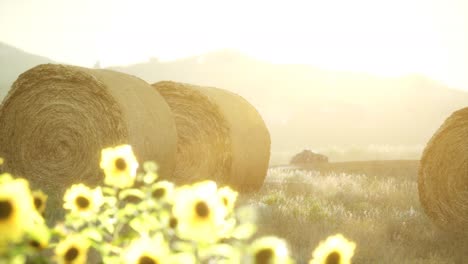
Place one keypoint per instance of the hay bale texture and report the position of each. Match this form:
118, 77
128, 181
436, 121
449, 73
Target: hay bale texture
56, 119
220, 136
443, 174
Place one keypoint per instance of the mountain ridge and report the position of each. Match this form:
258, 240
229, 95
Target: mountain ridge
308, 107
318, 105
13, 62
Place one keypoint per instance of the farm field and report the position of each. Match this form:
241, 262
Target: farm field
373, 203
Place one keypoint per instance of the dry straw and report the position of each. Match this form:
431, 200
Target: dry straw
220, 136
443, 174
56, 119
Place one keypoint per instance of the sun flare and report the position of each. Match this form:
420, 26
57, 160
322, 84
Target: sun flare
385, 37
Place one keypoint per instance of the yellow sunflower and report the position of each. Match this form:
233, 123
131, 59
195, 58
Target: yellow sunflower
163, 191
40, 200
38, 237
199, 212
269, 250
72, 250
228, 197
83, 200
5, 177
147, 250
17, 212
119, 165
335, 250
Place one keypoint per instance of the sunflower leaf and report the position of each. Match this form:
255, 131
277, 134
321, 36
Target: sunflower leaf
92, 234
182, 246
244, 231
109, 191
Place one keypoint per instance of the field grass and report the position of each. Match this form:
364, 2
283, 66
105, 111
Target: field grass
375, 204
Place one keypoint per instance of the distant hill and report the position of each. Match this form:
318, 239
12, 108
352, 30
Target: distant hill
347, 116
342, 114
13, 62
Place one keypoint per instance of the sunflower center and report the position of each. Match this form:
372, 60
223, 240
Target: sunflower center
333, 258
173, 222
264, 256
6, 209
146, 260
120, 164
225, 201
202, 210
158, 193
82, 202
37, 202
35, 244
71, 254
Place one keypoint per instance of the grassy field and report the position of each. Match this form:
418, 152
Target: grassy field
373, 203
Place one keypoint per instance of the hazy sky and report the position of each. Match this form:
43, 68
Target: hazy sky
381, 37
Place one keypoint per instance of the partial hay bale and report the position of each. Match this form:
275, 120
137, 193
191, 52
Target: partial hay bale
307, 157
220, 136
443, 174
203, 145
56, 119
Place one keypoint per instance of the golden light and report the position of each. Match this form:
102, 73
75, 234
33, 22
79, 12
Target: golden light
380, 37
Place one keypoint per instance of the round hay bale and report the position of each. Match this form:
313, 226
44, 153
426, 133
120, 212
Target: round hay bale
220, 136
56, 119
443, 174
307, 157
203, 144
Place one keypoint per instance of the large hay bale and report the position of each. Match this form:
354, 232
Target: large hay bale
220, 136
443, 174
56, 119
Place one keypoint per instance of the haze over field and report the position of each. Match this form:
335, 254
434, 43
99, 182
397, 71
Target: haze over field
321, 109
354, 80
348, 116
